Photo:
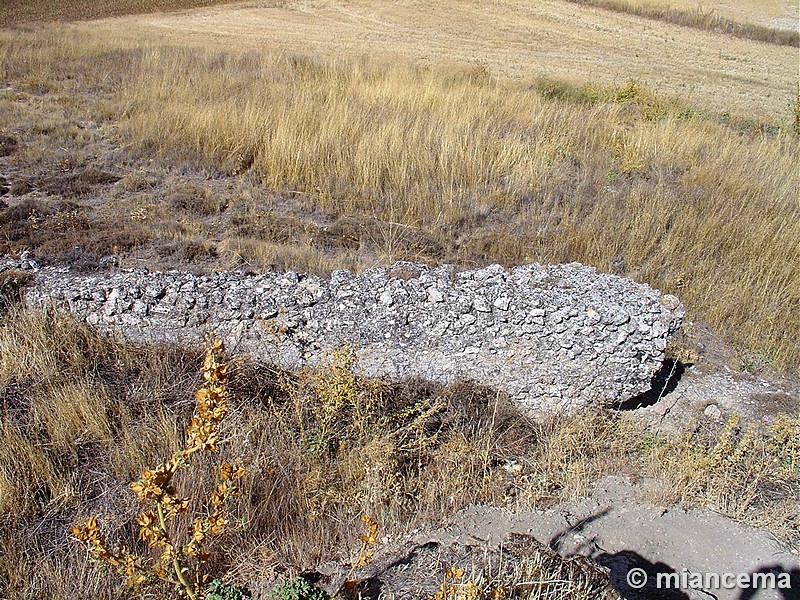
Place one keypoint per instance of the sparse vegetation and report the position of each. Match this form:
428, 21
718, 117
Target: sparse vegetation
543, 575
144, 153
727, 468
81, 413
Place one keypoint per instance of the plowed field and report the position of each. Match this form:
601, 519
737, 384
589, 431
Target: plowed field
514, 39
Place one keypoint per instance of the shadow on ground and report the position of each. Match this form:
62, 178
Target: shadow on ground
635, 577
664, 382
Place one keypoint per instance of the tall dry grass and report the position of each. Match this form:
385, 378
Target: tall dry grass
451, 165
683, 202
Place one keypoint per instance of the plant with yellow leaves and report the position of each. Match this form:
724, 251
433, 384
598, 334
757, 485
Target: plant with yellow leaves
454, 587
181, 560
331, 404
351, 587
368, 541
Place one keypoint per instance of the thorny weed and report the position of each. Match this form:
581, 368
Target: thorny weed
784, 443
332, 408
181, 562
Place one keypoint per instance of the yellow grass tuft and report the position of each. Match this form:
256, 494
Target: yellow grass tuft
448, 164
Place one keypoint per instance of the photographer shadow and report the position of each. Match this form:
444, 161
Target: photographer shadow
624, 564
784, 593
630, 574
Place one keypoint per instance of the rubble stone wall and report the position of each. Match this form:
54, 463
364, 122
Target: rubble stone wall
554, 337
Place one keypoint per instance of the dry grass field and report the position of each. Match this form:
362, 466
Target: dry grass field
511, 39
83, 414
323, 134
782, 14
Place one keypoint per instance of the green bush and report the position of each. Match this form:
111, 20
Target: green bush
298, 589
223, 591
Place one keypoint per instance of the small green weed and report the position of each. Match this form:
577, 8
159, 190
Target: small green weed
649, 441
298, 589
217, 590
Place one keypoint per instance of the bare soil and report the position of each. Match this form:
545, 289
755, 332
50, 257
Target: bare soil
17, 13
613, 528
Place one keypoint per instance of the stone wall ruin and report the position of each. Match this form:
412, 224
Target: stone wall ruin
554, 337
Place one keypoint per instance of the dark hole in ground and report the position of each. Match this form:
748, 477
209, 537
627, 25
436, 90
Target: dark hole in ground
664, 382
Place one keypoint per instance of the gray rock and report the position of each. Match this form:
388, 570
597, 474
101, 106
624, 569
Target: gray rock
502, 303
481, 305
435, 295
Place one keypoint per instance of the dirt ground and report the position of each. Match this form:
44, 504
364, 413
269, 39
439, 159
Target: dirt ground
615, 531
513, 39
15, 12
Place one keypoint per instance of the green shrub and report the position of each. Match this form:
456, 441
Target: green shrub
223, 591
298, 589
